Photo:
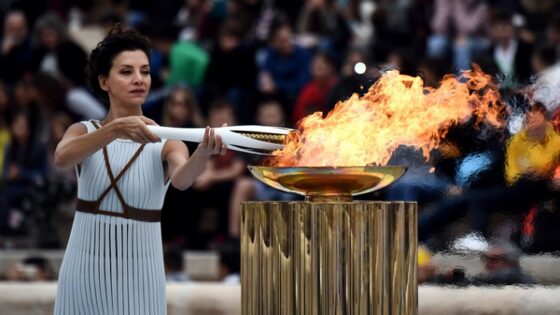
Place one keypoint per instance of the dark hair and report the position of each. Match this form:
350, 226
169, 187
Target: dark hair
101, 58
230, 256
220, 103
554, 22
546, 54
502, 17
173, 258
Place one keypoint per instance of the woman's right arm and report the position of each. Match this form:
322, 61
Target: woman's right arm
77, 144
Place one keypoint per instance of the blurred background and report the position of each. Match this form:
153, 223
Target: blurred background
488, 197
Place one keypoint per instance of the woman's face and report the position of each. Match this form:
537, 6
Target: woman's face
321, 68
20, 128
3, 99
129, 79
179, 109
270, 114
49, 38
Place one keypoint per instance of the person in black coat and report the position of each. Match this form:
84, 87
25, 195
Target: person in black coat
15, 48
510, 54
56, 53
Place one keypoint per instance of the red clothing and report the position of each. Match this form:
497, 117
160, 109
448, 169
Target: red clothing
312, 98
556, 119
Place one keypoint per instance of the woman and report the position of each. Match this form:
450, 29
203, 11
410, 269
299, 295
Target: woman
181, 109
113, 263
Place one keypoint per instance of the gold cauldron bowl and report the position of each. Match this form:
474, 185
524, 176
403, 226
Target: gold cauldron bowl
328, 183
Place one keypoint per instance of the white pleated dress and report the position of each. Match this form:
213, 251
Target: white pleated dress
114, 265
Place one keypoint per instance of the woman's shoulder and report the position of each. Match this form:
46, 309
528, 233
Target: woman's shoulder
79, 128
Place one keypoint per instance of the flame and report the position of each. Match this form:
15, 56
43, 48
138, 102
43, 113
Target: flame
396, 110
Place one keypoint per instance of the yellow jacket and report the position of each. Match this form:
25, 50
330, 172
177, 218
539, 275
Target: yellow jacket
4, 141
525, 156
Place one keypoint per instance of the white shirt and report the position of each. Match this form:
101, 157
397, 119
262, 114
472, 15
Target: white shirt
505, 57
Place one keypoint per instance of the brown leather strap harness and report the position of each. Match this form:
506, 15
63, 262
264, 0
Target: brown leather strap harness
128, 211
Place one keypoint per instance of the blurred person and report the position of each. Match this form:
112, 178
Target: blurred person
25, 167
553, 34
188, 63
269, 113
313, 96
24, 96
399, 25
508, 51
61, 61
320, 24
4, 124
285, 66
33, 268
537, 14
200, 19
501, 266
230, 263
163, 36
359, 16
212, 189
124, 213
420, 182
16, 50
232, 71
399, 60
180, 110
531, 158
59, 193
462, 26
543, 58
56, 51
351, 81
432, 71
257, 18
174, 265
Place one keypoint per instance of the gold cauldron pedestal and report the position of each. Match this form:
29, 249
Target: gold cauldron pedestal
329, 254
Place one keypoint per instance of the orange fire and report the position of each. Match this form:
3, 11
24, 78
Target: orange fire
396, 110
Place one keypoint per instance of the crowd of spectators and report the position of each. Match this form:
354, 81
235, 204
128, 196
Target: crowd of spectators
271, 63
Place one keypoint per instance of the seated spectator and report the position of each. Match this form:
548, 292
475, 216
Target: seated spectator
321, 25
312, 97
187, 64
508, 51
531, 159
285, 68
232, 71
16, 50
59, 197
543, 58
246, 188
25, 168
58, 56
468, 20
57, 52
180, 110
211, 192
34, 268
350, 80
174, 265
4, 124
230, 263
553, 34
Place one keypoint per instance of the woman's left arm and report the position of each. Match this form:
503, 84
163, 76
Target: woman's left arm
182, 169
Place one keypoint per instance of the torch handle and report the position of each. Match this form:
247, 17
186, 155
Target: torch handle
230, 137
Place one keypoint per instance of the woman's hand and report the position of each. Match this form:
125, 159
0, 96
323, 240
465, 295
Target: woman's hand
135, 128
211, 144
